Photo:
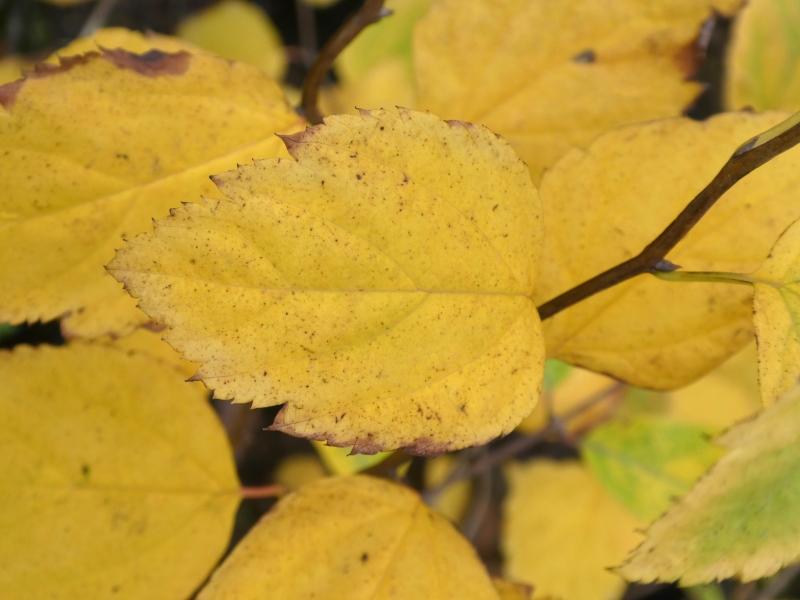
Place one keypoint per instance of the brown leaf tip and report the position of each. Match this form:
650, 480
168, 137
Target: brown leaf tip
8, 93
294, 141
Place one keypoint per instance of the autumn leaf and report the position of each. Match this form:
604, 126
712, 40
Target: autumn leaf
376, 540
741, 519
78, 178
378, 284
777, 316
646, 462
550, 76
511, 590
237, 30
117, 479
561, 531
119, 38
604, 205
764, 57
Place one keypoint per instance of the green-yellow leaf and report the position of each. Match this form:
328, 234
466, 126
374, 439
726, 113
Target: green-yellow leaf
763, 61
553, 75
777, 316
117, 480
351, 537
743, 518
604, 205
389, 39
237, 30
561, 532
646, 462
96, 148
378, 284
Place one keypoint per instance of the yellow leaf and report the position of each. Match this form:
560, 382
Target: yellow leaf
351, 537
378, 284
453, 500
237, 30
113, 38
604, 205
743, 518
76, 180
777, 317
725, 396
386, 84
764, 57
298, 470
117, 480
561, 532
553, 75
147, 342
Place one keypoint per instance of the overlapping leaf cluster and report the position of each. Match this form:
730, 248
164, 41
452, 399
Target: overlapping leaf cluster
378, 275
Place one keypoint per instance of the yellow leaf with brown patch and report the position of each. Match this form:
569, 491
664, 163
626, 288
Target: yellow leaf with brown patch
351, 537
378, 284
551, 76
95, 148
604, 205
117, 477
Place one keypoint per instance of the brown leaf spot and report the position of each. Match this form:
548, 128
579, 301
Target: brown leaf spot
587, 56
153, 63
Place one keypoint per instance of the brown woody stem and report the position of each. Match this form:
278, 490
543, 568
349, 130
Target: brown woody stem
370, 12
748, 157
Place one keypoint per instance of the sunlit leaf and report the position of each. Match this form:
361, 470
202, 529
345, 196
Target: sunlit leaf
374, 538
378, 284
604, 205
117, 478
743, 518
77, 178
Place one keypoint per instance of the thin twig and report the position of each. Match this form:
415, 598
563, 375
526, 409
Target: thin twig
479, 506
262, 491
501, 453
370, 12
98, 17
748, 157
388, 467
